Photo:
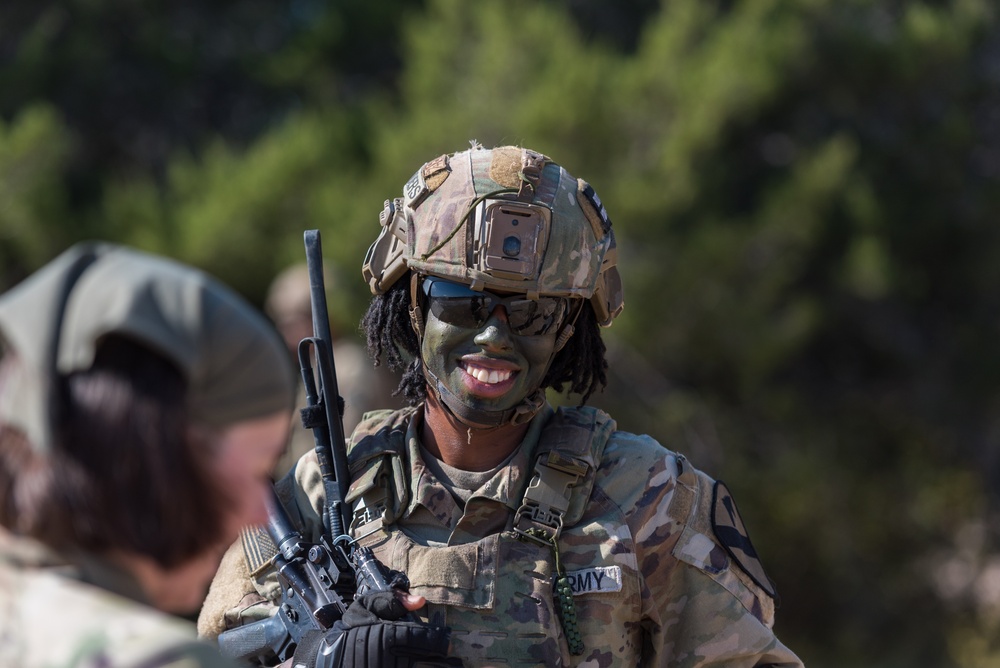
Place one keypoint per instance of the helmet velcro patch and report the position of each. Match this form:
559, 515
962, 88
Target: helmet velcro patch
593, 209
505, 166
435, 172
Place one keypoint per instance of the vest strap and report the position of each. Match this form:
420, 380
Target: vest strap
556, 495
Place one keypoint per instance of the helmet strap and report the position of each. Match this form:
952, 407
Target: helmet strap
532, 164
564, 336
416, 314
417, 321
567, 330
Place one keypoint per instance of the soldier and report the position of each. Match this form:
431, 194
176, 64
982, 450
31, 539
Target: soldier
142, 407
540, 536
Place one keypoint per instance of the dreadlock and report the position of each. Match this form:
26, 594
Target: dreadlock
388, 333
580, 366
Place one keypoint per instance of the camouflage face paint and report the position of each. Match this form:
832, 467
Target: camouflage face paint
489, 367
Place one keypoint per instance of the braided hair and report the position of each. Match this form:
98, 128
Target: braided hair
580, 367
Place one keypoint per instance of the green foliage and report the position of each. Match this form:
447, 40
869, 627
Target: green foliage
34, 149
241, 214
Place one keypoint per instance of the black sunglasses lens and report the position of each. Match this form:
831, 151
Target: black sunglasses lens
457, 304
460, 311
531, 318
461, 306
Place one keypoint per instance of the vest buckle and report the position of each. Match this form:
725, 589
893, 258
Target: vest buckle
540, 517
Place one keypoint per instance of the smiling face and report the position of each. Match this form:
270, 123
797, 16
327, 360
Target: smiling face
487, 367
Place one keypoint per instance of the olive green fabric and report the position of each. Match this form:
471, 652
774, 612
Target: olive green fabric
235, 363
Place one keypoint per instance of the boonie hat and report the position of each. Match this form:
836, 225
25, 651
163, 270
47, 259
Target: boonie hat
235, 364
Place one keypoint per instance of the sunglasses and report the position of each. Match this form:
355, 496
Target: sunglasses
462, 306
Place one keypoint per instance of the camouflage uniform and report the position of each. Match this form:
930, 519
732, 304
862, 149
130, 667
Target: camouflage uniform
653, 584
54, 614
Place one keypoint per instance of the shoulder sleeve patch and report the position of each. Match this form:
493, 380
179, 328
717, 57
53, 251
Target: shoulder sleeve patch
728, 527
258, 549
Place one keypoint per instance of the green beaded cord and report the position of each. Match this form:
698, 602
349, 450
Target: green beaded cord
567, 607
564, 598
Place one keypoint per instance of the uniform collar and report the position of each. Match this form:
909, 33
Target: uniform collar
506, 487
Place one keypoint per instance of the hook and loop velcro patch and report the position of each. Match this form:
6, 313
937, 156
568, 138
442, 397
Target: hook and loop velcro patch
732, 534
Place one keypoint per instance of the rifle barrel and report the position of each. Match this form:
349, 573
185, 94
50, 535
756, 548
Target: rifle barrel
333, 455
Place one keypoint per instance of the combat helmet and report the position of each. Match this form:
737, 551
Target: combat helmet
505, 219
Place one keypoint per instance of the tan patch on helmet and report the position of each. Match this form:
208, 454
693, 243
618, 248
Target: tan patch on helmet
435, 172
505, 166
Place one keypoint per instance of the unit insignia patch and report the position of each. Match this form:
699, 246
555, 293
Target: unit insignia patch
729, 529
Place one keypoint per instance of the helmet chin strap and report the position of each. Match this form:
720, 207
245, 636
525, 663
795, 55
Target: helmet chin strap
479, 418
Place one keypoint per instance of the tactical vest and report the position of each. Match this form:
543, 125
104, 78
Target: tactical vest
496, 593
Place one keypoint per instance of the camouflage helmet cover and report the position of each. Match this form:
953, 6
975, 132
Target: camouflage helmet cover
505, 219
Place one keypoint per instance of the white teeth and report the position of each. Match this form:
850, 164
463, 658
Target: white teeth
489, 376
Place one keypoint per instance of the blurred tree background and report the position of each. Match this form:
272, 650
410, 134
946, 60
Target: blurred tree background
806, 195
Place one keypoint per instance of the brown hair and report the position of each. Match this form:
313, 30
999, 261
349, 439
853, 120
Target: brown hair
126, 471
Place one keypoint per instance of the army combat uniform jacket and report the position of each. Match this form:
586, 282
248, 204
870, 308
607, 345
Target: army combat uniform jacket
59, 615
637, 542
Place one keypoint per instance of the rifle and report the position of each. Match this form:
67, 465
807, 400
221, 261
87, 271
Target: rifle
318, 580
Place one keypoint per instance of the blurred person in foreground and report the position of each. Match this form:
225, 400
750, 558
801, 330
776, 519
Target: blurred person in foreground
540, 536
142, 407
363, 386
